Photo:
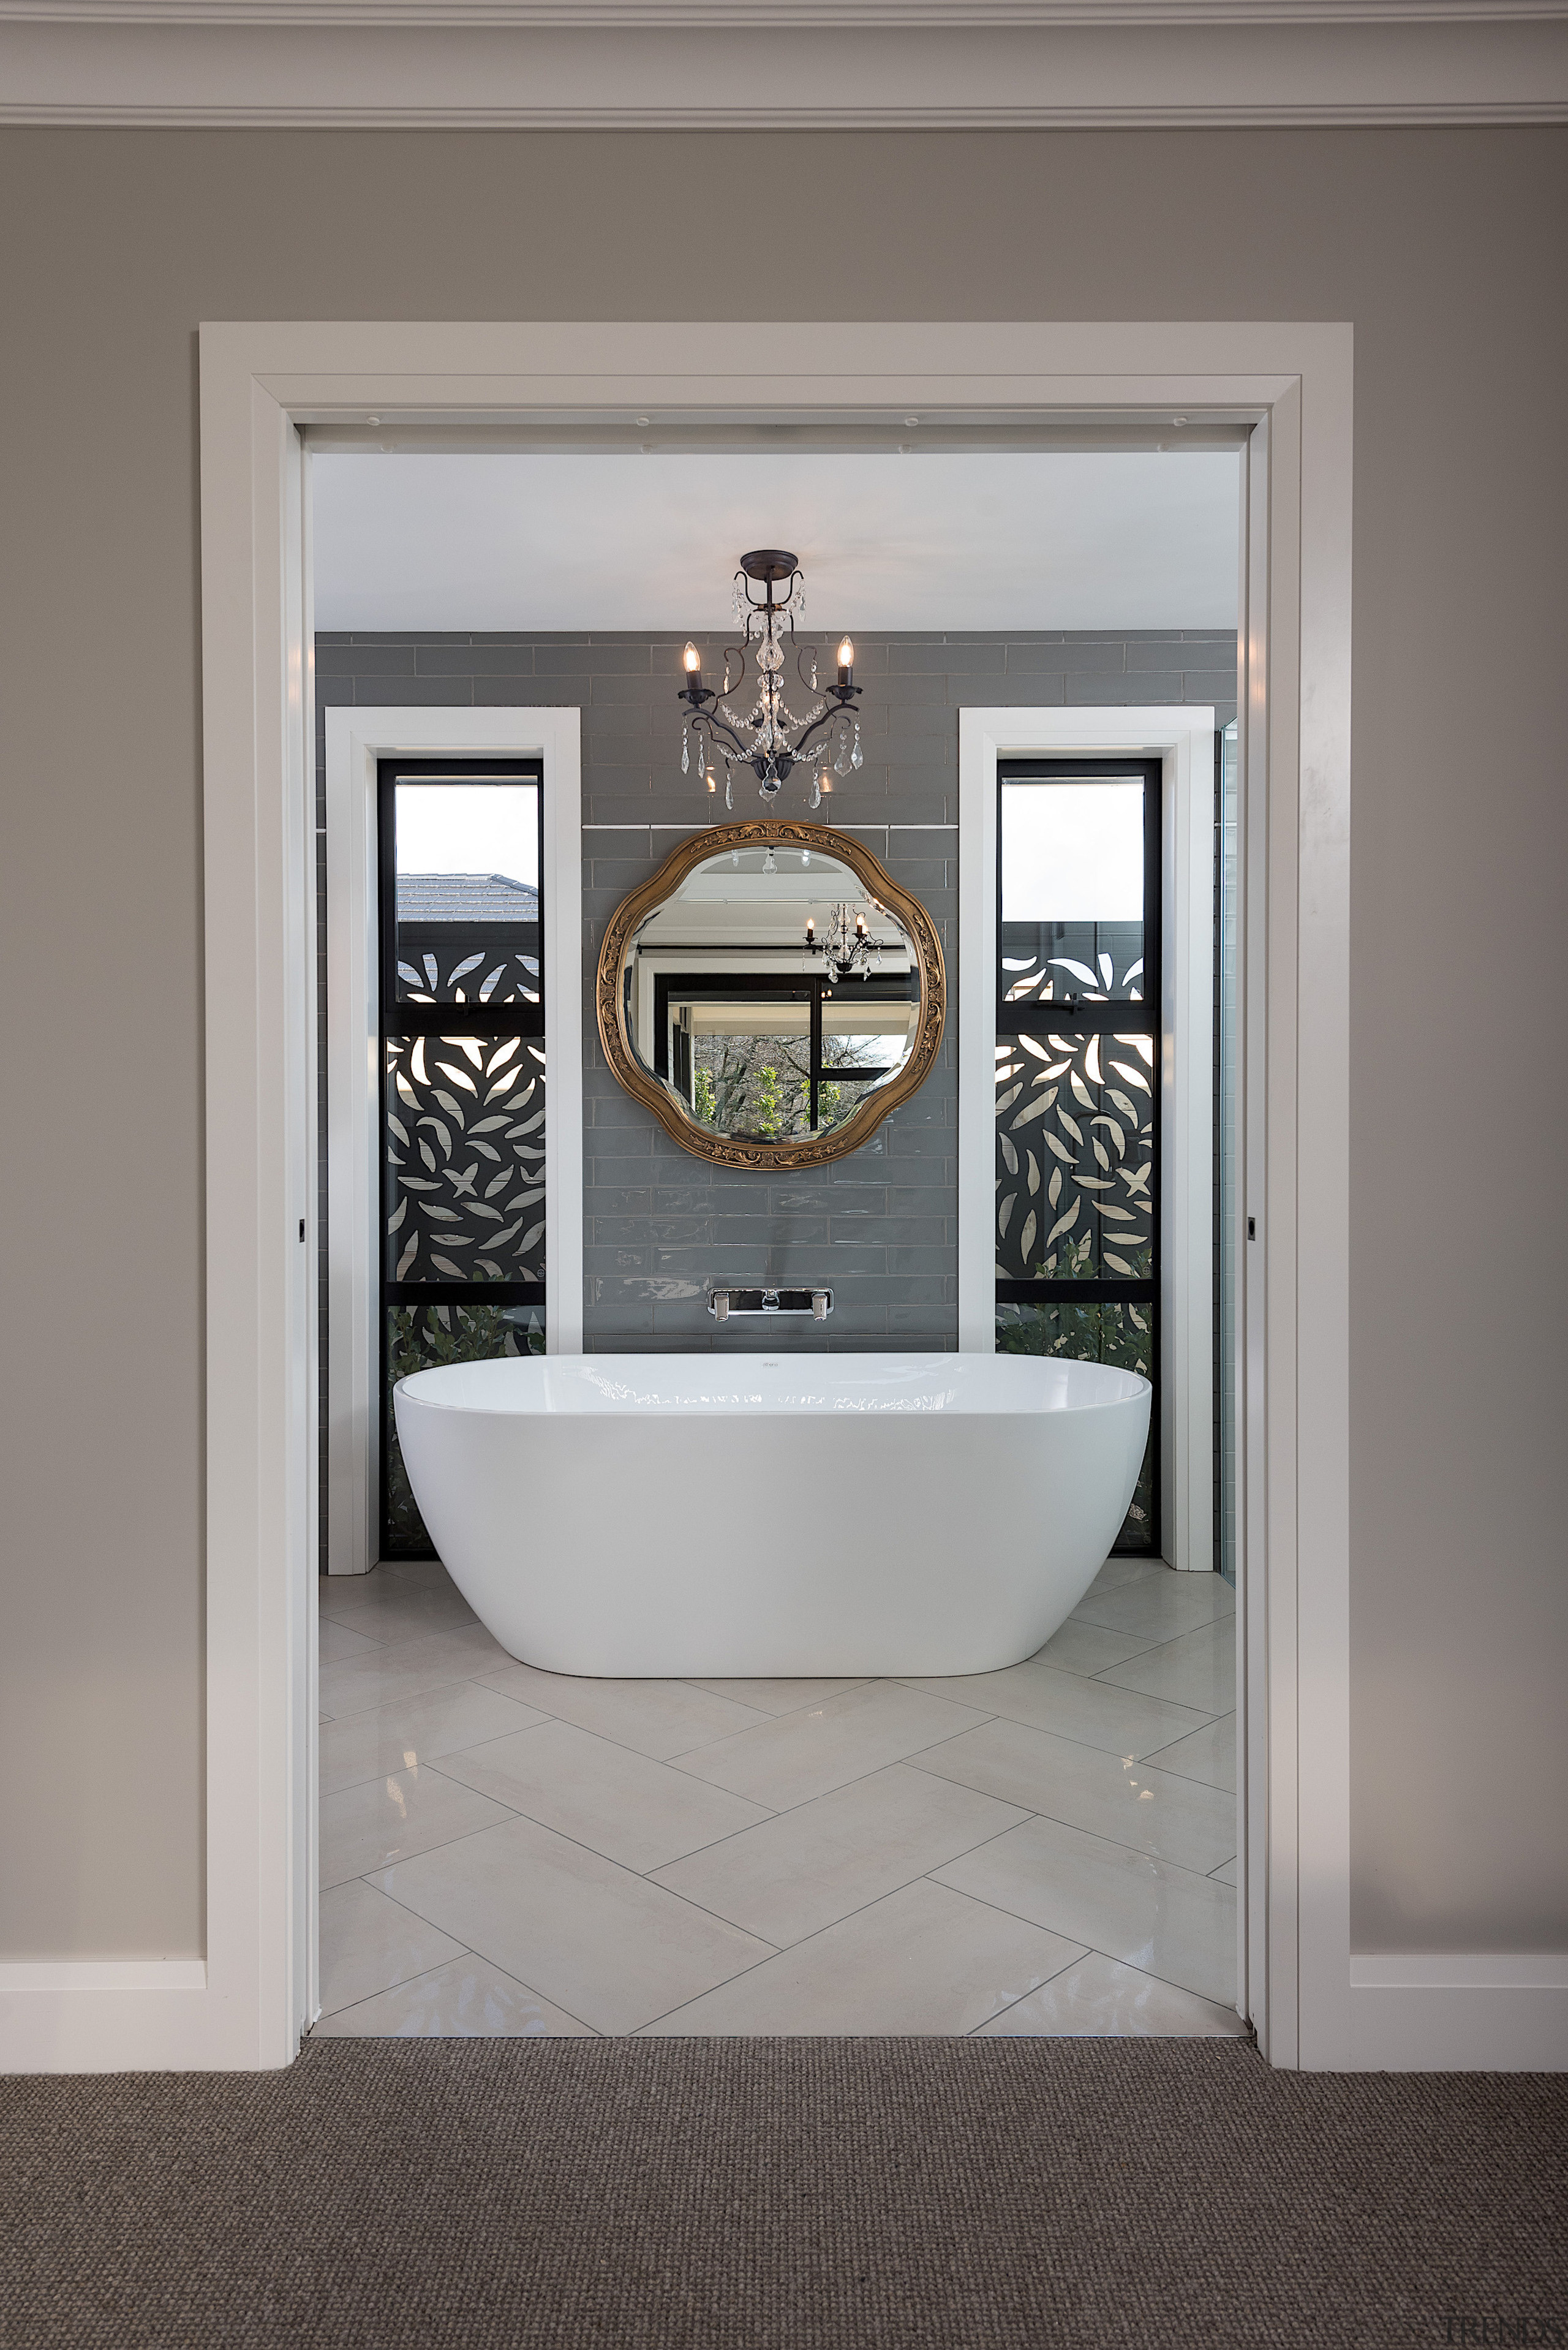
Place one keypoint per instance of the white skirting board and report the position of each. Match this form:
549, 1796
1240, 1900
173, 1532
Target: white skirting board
1466, 2012
122, 2015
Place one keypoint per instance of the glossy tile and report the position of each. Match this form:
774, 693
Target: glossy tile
1118, 1571
1199, 1668
1088, 1647
779, 1697
1101, 1996
364, 1826
1160, 1606
806, 1868
407, 1668
388, 1611
605, 1945
369, 1944
922, 1960
794, 1756
1209, 1754
1165, 1920
417, 1573
467, 1999
1094, 1713
419, 1728
1228, 1875
655, 1718
1109, 1796
619, 1803
335, 1641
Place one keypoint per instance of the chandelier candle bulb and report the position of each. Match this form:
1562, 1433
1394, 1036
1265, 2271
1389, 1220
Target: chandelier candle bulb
846, 661
694, 660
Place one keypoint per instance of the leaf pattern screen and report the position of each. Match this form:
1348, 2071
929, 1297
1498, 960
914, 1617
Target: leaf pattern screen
465, 1159
1099, 962
1074, 1156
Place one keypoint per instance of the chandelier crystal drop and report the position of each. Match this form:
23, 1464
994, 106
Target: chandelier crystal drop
771, 739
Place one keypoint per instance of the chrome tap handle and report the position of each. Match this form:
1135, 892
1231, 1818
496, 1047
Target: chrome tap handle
721, 1305
819, 1305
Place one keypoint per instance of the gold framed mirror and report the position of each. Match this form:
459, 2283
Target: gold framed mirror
770, 994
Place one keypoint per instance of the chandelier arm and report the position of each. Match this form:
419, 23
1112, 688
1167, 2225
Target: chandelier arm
800, 653
717, 726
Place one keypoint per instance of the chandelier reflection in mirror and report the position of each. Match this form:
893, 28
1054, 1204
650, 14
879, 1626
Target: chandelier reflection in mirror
772, 740
846, 946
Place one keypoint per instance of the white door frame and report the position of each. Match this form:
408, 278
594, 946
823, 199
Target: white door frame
260, 382
356, 740
1182, 739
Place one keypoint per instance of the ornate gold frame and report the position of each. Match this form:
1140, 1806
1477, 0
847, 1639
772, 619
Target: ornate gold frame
773, 832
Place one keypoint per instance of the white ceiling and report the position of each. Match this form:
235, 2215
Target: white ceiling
1108, 540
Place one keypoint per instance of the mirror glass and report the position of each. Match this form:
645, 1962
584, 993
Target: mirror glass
769, 996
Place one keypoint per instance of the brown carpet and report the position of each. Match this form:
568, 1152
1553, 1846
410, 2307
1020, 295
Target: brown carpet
742, 2194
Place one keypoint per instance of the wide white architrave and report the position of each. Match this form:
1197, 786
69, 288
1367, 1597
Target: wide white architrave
259, 383
1183, 741
921, 63
356, 739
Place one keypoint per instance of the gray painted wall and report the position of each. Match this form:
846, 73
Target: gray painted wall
1441, 246
662, 1227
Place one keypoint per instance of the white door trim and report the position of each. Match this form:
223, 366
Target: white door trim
356, 739
259, 383
1182, 739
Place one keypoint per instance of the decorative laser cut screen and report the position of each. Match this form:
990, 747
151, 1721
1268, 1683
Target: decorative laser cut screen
463, 1082
1077, 1062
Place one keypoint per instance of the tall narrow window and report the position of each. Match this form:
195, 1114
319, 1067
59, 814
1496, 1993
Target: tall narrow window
1077, 1074
462, 1087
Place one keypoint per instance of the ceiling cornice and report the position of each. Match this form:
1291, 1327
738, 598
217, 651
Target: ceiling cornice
723, 15
719, 64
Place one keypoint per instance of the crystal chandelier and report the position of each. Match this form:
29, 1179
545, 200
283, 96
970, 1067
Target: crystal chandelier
848, 950
825, 739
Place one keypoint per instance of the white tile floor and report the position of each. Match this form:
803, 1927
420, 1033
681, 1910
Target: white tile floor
1047, 1850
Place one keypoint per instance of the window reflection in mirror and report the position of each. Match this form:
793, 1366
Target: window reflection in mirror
733, 1005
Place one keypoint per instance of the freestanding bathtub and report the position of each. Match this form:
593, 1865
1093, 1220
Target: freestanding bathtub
674, 1516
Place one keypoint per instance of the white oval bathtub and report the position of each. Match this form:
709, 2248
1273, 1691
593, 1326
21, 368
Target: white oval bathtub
675, 1516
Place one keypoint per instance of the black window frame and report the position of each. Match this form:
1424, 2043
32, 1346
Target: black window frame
1115, 1017
802, 987
397, 1017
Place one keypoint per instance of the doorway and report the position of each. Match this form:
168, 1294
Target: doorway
455, 1778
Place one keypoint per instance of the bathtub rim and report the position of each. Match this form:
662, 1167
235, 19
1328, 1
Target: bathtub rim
764, 1408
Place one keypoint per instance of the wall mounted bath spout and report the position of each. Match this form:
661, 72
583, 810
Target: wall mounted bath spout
724, 1303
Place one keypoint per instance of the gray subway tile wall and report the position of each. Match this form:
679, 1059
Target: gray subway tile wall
660, 1227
